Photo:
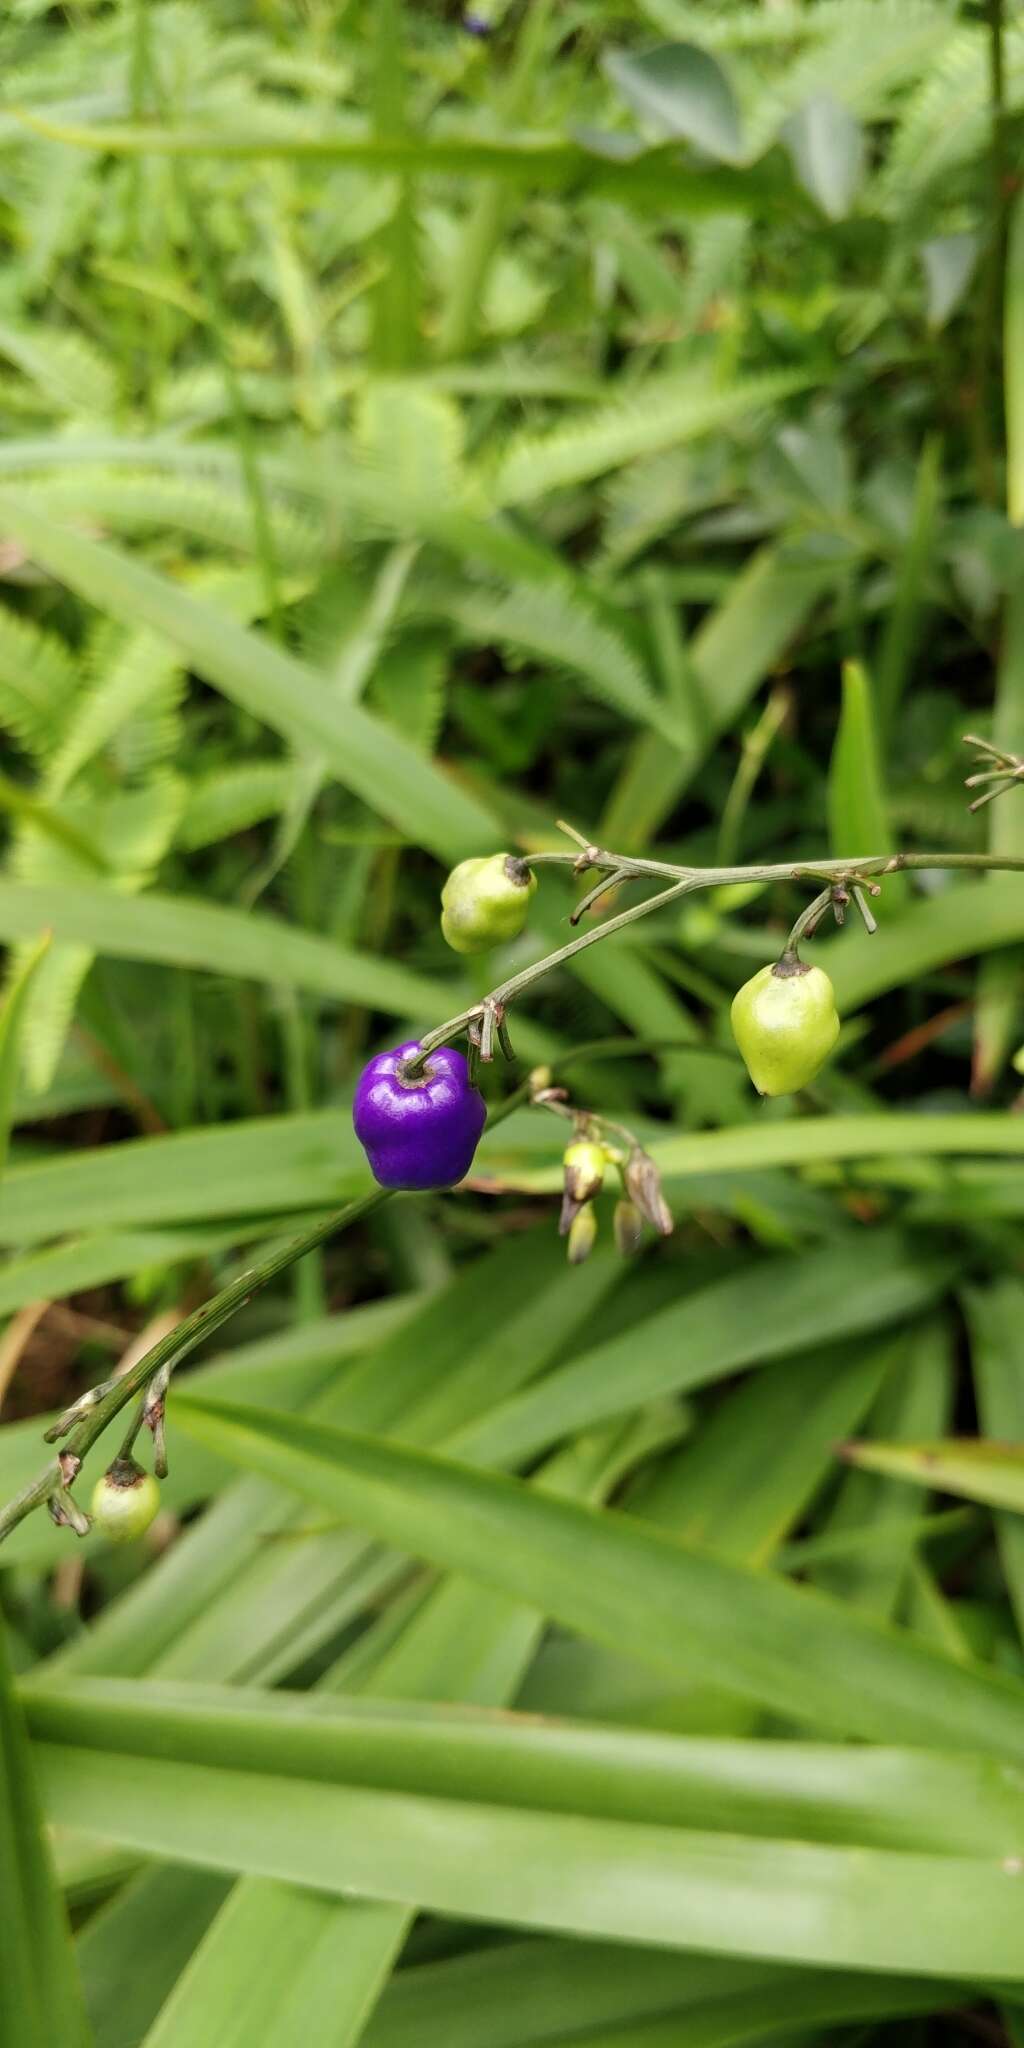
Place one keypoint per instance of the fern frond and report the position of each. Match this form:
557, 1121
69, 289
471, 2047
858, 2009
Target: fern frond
134, 830
561, 628
38, 678
407, 687
662, 413
946, 121
871, 49
72, 372
204, 508
144, 675
409, 440
231, 800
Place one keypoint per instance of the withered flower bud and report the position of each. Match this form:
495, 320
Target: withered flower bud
643, 1185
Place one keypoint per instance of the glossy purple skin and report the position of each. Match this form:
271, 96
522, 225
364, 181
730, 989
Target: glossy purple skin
422, 1136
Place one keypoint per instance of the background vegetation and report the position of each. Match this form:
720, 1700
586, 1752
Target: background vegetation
439, 426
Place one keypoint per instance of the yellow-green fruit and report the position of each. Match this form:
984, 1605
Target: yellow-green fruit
785, 1025
484, 902
125, 1501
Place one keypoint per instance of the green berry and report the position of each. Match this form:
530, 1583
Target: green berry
125, 1501
484, 902
785, 1022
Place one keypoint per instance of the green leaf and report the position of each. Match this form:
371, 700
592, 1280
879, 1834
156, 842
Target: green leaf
627, 1586
208, 1787
40, 2000
800, 1141
857, 809
654, 178
12, 1014
736, 646
901, 630
366, 756
998, 1006
965, 919
679, 90
721, 1490
183, 931
948, 263
1013, 360
914, 1401
162, 1915
776, 1307
459, 1640
662, 413
520, 1994
994, 1322
826, 144
974, 1470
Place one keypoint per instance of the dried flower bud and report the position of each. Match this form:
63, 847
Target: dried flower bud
643, 1185
582, 1233
628, 1228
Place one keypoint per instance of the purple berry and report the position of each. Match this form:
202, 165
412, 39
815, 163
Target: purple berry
421, 1133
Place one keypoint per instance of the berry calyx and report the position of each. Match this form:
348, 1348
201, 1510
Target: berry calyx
125, 1501
785, 1022
484, 902
418, 1131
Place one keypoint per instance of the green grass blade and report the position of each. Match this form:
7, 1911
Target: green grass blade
40, 1998
994, 1324
628, 1587
366, 756
992, 1473
184, 931
767, 1312
948, 1916
12, 1014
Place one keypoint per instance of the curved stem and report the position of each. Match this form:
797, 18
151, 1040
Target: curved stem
684, 880
88, 1418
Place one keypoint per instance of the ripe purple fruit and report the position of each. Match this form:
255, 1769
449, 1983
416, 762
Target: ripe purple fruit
421, 1132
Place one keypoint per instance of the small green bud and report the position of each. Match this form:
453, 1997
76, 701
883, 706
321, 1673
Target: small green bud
125, 1501
628, 1228
584, 1163
484, 902
582, 1233
785, 1023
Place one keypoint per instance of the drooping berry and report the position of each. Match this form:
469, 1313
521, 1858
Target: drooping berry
785, 1023
484, 902
418, 1130
125, 1501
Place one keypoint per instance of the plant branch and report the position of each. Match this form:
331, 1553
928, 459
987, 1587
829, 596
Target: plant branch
846, 875
83, 1423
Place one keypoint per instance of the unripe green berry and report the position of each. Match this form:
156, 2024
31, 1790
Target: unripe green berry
484, 902
785, 1022
125, 1501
